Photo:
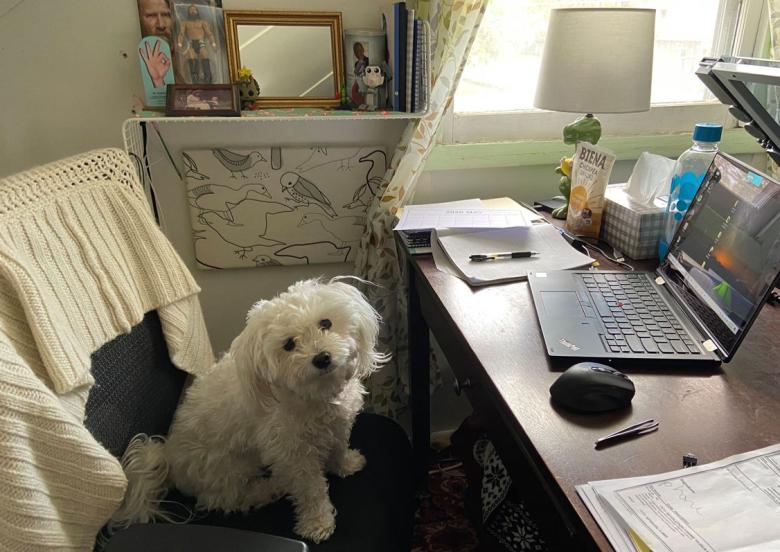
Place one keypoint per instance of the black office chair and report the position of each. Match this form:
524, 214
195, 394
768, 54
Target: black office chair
136, 391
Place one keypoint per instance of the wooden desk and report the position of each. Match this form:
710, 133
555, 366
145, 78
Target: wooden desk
492, 341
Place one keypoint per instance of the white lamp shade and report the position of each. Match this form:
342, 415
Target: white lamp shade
597, 60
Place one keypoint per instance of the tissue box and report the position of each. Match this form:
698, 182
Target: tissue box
630, 226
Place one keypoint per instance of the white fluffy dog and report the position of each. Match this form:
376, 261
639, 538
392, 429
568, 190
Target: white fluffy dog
284, 396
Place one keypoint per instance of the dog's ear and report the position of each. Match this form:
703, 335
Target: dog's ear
247, 347
368, 319
256, 308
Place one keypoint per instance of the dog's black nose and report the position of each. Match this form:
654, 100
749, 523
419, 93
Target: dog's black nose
321, 360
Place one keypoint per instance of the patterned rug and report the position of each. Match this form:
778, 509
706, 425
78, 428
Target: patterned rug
441, 523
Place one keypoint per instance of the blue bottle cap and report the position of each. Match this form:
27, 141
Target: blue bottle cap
707, 132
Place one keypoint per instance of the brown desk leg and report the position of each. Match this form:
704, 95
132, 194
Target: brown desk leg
419, 381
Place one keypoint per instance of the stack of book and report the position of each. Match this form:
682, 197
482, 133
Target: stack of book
417, 242
407, 52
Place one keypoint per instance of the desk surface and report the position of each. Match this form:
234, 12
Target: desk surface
711, 413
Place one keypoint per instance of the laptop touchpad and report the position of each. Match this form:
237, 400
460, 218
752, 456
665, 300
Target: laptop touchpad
562, 303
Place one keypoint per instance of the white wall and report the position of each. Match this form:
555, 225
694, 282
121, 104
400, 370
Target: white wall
65, 83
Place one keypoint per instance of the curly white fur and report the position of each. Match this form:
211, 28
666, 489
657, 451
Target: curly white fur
284, 396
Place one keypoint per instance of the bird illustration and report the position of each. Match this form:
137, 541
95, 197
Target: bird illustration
220, 199
304, 191
343, 229
237, 162
317, 250
265, 260
248, 229
317, 155
192, 168
377, 165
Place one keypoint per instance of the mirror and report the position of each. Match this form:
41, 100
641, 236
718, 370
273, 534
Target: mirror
295, 57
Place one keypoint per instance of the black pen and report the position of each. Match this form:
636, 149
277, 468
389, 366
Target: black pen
504, 255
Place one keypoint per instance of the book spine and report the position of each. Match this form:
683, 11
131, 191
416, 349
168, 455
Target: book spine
409, 59
425, 67
402, 25
396, 68
417, 83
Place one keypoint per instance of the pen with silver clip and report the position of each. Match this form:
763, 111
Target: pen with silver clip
637, 429
502, 255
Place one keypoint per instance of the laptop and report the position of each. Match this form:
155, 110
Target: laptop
699, 304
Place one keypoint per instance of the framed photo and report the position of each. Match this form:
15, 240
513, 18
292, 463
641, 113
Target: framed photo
202, 100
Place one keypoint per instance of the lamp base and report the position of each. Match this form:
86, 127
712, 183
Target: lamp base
586, 128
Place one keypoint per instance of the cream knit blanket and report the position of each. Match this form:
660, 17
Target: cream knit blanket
81, 261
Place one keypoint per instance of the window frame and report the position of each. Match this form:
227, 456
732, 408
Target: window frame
751, 34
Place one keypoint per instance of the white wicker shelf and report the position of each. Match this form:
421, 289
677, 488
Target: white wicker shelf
132, 135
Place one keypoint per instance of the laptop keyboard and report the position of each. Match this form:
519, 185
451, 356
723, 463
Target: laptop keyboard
636, 318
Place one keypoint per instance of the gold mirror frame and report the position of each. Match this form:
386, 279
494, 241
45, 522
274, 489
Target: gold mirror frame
233, 18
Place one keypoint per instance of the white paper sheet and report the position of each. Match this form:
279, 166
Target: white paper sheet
732, 505
451, 249
427, 218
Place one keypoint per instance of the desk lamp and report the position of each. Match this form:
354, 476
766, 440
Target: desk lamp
595, 60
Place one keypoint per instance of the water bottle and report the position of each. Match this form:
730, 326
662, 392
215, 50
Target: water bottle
688, 174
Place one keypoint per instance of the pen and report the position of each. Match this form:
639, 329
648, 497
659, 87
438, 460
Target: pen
503, 255
641, 428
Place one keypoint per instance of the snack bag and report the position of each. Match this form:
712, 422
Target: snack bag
590, 175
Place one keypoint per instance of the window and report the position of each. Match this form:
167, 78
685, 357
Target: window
494, 100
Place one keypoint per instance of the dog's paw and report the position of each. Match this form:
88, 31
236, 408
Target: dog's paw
317, 527
351, 462
259, 493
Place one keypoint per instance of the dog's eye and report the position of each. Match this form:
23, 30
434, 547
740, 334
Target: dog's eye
289, 345
325, 324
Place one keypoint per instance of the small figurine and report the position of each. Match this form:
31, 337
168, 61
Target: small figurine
195, 30
373, 78
248, 89
585, 129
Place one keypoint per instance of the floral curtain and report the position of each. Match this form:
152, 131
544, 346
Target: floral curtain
454, 25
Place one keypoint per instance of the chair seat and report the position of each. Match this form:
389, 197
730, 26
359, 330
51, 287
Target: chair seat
375, 506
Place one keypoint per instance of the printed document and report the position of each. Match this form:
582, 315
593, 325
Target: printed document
729, 505
428, 218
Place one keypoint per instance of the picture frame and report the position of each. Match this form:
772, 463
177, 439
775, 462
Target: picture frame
202, 100
299, 64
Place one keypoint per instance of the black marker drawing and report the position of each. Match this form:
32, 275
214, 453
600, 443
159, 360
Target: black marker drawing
313, 213
342, 229
219, 199
265, 260
375, 176
304, 191
305, 250
237, 162
192, 169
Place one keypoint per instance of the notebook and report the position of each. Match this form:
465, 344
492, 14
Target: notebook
699, 304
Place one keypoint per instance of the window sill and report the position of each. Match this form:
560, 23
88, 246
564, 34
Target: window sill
547, 152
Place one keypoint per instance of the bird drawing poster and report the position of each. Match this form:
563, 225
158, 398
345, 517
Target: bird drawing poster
275, 205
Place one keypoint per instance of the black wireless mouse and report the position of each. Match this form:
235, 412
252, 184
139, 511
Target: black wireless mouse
592, 387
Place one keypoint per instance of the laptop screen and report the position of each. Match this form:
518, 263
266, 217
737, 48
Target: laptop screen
725, 257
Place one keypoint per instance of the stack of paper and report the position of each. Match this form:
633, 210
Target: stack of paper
418, 221
452, 249
730, 505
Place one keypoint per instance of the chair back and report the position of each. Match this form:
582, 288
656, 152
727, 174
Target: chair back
136, 389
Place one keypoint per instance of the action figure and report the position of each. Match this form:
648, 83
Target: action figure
195, 30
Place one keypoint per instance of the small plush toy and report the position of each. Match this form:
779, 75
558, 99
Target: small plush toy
373, 78
248, 89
